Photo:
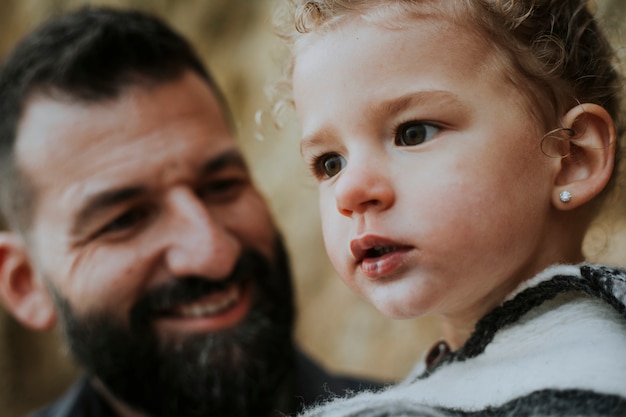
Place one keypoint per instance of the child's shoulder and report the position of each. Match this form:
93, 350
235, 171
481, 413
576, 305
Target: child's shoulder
563, 330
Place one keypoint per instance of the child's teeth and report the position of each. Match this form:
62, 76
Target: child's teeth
382, 250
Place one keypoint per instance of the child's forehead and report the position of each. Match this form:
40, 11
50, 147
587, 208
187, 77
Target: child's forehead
457, 45
391, 15
394, 14
356, 50
401, 17
459, 19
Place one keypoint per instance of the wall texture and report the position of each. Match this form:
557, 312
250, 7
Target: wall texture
345, 333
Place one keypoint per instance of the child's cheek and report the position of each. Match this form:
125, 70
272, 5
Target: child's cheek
336, 233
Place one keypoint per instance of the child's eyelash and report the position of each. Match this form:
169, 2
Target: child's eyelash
316, 161
428, 130
326, 165
408, 122
314, 164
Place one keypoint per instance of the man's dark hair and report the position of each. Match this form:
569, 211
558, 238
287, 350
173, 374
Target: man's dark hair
90, 55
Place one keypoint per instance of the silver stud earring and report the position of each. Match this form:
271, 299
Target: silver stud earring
565, 196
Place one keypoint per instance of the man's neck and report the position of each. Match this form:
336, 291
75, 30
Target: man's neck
285, 401
121, 409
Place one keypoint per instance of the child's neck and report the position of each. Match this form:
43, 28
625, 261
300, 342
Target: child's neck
456, 335
457, 329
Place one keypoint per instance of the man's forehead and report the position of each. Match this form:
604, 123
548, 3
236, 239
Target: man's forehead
176, 128
169, 172
57, 131
47, 125
51, 120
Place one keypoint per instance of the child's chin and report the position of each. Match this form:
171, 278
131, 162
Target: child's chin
395, 310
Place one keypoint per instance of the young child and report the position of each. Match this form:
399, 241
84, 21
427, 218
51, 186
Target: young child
462, 149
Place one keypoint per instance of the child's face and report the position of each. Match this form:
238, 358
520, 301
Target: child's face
434, 192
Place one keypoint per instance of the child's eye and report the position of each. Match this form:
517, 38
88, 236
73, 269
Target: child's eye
415, 133
328, 165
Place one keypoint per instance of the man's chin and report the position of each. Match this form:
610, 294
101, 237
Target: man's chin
231, 364
217, 373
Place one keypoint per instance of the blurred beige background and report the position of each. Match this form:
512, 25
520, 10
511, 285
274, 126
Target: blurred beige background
340, 330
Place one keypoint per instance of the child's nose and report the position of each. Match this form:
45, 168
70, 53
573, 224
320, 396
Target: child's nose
363, 187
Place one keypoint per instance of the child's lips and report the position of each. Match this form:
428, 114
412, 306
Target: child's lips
377, 256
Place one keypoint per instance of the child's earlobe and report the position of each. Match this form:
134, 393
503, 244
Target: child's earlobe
587, 166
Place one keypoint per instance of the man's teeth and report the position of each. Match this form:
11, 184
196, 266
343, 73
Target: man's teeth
211, 305
380, 251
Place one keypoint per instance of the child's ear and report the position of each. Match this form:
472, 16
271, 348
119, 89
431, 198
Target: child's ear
588, 163
22, 293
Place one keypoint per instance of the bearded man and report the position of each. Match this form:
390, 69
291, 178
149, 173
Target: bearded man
136, 228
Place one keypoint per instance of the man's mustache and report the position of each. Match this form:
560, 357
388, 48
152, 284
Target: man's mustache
179, 290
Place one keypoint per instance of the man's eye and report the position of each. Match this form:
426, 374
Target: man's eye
127, 221
329, 165
415, 133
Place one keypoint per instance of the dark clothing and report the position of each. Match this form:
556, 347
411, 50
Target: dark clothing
312, 385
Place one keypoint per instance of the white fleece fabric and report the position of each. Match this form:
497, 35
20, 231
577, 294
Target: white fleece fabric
570, 341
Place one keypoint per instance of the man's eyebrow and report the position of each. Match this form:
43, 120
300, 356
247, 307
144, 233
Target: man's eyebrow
100, 202
230, 158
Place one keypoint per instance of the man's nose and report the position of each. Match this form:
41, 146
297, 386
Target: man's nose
363, 187
199, 243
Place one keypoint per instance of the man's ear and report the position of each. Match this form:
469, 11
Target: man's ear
588, 164
22, 293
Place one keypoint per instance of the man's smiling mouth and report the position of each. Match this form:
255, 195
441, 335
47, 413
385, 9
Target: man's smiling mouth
216, 311
213, 304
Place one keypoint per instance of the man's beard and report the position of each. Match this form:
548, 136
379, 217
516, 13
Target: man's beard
241, 371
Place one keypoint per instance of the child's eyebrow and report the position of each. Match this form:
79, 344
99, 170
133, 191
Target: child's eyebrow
440, 98
314, 140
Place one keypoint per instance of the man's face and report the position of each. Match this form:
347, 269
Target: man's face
148, 229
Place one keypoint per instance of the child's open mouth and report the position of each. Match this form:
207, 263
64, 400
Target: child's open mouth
379, 251
378, 257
